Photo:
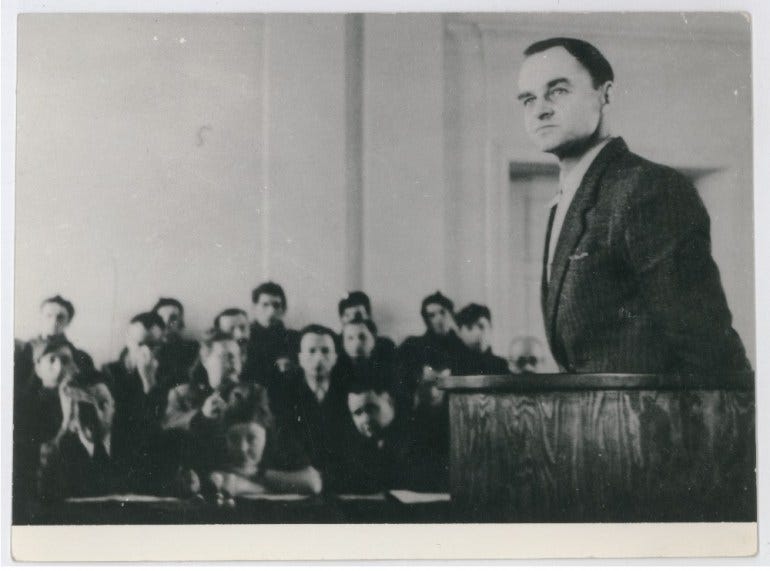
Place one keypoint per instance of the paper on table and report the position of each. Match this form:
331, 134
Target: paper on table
379, 497
274, 497
410, 497
127, 498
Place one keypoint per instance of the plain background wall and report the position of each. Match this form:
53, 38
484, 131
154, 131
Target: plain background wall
137, 168
197, 155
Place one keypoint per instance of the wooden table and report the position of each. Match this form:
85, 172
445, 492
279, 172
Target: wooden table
602, 448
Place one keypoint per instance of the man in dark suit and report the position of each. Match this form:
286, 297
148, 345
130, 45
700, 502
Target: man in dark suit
629, 284
474, 322
272, 346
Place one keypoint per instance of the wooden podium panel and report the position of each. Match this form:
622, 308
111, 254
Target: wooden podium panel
602, 448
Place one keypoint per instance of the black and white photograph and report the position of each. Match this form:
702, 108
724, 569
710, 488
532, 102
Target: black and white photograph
383, 268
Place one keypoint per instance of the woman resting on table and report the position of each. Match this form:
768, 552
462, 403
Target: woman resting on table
262, 461
256, 460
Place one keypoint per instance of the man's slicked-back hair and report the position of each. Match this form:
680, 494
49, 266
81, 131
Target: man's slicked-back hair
269, 288
229, 312
315, 329
353, 299
589, 57
149, 319
65, 303
471, 313
164, 301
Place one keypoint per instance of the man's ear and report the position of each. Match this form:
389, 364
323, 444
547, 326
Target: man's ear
608, 93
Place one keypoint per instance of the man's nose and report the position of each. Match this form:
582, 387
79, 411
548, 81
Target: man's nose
544, 110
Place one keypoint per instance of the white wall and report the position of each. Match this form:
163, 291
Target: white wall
328, 152
404, 193
137, 150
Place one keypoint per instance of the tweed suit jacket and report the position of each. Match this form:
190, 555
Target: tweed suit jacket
633, 286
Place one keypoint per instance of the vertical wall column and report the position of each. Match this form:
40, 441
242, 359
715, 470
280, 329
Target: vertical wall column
354, 152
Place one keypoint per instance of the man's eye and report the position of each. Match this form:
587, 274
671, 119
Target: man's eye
557, 91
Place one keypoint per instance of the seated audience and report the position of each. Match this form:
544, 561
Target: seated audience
272, 348
526, 355
475, 327
429, 429
56, 314
139, 384
439, 343
136, 379
178, 354
310, 401
363, 359
85, 461
259, 461
199, 407
235, 323
356, 306
374, 454
38, 418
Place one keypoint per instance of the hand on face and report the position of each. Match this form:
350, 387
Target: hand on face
147, 366
68, 408
214, 407
222, 362
428, 392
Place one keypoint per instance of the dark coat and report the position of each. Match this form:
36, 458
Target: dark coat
266, 346
633, 287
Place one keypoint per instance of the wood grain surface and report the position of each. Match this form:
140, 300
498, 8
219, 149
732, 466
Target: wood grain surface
604, 455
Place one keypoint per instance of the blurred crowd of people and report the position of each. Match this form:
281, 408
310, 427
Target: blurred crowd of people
251, 407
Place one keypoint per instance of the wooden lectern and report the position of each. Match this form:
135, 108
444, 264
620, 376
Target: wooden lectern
602, 448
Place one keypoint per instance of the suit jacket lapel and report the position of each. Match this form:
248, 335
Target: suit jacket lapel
574, 226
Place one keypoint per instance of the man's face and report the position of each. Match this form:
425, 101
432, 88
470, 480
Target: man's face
350, 313
56, 367
138, 336
237, 326
222, 361
172, 317
95, 417
526, 355
357, 340
245, 444
268, 310
476, 336
371, 412
317, 355
439, 318
562, 109
54, 319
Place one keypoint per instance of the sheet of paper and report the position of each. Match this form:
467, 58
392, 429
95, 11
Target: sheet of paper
275, 497
410, 497
379, 497
126, 498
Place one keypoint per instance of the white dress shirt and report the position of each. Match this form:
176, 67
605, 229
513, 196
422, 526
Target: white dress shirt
318, 387
568, 185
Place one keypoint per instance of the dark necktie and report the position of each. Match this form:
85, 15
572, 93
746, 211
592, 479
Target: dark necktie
101, 458
551, 216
